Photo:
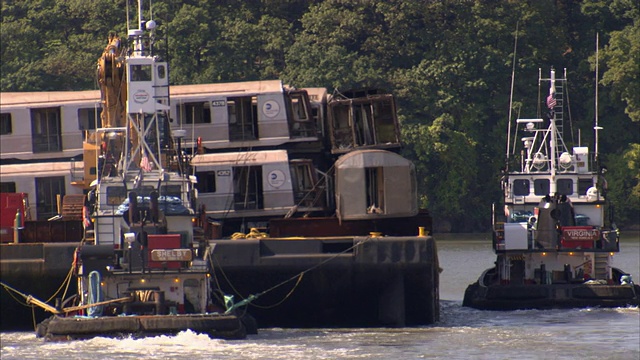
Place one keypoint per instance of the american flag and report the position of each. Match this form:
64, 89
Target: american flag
145, 164
551, 100
86, 219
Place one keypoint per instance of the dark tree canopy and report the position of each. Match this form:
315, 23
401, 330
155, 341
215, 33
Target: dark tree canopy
448, 63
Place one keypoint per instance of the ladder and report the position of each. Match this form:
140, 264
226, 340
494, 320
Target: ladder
601, 271
558, 111
105, 231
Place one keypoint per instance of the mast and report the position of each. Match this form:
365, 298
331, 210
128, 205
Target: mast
513, 76
596, 128
553, 140
147, 101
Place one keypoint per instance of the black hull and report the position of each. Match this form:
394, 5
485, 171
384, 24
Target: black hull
386, 281
37, 269
552, 296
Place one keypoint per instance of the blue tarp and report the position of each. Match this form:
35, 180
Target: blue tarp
170, 205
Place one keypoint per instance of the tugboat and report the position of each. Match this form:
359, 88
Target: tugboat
139, 270
556, 239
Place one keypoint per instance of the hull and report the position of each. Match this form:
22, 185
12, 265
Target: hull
346, 281
550, 296
37, 269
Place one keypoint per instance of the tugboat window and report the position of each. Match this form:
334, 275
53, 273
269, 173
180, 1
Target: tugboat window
171, 190
520, 187
584, 185
565, 186
162, 72
116, 195
140, 72
541, 187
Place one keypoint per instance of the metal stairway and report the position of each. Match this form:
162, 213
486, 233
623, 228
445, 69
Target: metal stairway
600, 269
559, 116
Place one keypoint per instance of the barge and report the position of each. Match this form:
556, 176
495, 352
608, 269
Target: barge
291, 205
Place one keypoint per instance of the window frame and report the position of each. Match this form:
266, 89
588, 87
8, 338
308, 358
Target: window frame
201, 110
206, 182
46, 200
242, 114
6, 123
46, 130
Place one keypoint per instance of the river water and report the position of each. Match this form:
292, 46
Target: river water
462, 333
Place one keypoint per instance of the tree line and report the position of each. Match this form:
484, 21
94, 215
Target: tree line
448, 63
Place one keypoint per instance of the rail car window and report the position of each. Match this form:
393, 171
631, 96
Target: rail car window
341, 129
206, 181
197, 113
299, 116
5, 124
374, 182
89, 119
520, 187
305, 190
47, 189
45, 130
8, 187
541, 187
243, 118
364, 122
384, 122
247, 187
564, 186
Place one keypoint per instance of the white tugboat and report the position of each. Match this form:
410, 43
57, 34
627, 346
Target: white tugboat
556, 239
141, 272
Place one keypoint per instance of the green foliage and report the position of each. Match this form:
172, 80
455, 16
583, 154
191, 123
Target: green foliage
448, 63
623, 180
622, 57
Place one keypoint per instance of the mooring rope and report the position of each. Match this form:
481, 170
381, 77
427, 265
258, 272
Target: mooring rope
11, 291
24, 303
65, 284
